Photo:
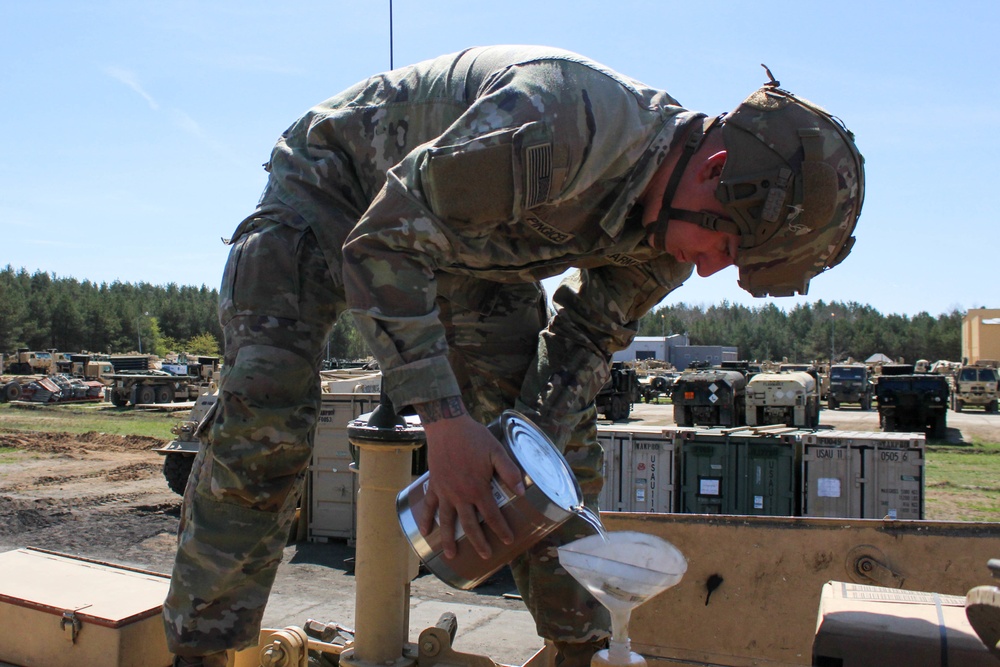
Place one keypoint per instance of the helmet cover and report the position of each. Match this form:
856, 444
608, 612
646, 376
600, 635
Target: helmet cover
793, 184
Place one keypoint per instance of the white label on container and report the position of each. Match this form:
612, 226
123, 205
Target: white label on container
828, 487
758, 502
640, 495
708, 487
500, 496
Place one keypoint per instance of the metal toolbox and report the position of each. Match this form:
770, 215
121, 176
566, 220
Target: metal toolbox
57, 610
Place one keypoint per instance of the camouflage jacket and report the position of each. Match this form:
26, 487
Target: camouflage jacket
495, 164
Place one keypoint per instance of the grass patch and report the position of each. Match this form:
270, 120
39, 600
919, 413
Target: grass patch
962, 482
102, 418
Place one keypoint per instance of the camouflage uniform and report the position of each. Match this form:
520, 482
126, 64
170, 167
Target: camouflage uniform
429, 201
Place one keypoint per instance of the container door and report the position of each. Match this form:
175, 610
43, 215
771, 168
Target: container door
832, 481
706, 477
766, 477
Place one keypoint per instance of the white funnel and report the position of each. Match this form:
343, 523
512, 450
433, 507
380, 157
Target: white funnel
622, 570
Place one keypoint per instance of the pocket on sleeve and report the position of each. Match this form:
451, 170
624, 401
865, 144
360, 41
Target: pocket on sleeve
262, 274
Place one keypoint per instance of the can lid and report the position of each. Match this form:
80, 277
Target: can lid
541, 461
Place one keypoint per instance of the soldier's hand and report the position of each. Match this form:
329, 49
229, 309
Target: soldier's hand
463, 457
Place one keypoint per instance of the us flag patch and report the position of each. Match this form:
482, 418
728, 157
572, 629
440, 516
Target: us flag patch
537, 174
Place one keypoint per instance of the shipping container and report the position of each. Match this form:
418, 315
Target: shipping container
638, 469
332, 484
743, 471
863, 475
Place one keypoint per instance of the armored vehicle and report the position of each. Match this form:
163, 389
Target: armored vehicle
975, 386
849, 383
909, 401
710, 398
790, 398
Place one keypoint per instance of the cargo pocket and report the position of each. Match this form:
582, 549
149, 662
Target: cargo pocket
262, 275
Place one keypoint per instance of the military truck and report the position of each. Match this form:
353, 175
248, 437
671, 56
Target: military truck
909, 401
849, 383
975, 386
174, 382
710, 397
88, 367
790, 397
34, 362
619, 393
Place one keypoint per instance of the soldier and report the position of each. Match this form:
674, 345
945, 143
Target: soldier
429, 202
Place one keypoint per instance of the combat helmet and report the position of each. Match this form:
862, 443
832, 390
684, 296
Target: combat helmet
792, 186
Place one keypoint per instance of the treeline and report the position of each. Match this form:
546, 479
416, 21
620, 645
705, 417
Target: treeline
814, 331
40, 311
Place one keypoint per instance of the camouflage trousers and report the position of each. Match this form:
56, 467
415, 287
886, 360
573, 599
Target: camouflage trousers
280, 297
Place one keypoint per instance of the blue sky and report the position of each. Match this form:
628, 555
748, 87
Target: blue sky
134, 131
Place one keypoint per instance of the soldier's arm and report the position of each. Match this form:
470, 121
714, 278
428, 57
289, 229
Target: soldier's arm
597, 314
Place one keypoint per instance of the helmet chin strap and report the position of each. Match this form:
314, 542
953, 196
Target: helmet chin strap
706, 219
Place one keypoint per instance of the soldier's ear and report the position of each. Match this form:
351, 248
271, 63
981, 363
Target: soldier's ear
711, 168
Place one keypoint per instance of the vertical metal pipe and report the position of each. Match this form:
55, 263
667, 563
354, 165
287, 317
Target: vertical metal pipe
382, 555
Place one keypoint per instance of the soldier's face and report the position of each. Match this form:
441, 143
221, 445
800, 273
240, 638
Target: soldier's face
710, 251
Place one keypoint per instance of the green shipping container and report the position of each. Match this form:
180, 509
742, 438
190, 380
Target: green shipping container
745, 472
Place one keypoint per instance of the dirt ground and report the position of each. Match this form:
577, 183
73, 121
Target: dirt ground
104, 496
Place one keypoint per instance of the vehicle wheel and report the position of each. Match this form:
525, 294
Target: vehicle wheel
119, 399
959, 405
12, 391
145, 395
164, 395
866, 404
888, 424
831, 404
940, 430
992, 407
177, 469
615, 412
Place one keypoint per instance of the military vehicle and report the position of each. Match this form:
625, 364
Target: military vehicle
619, 393
88, 367
652, 387
849, 383
975, 386
909, 401
30, 362
179, 454
790, 398
710, 397
172, 383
